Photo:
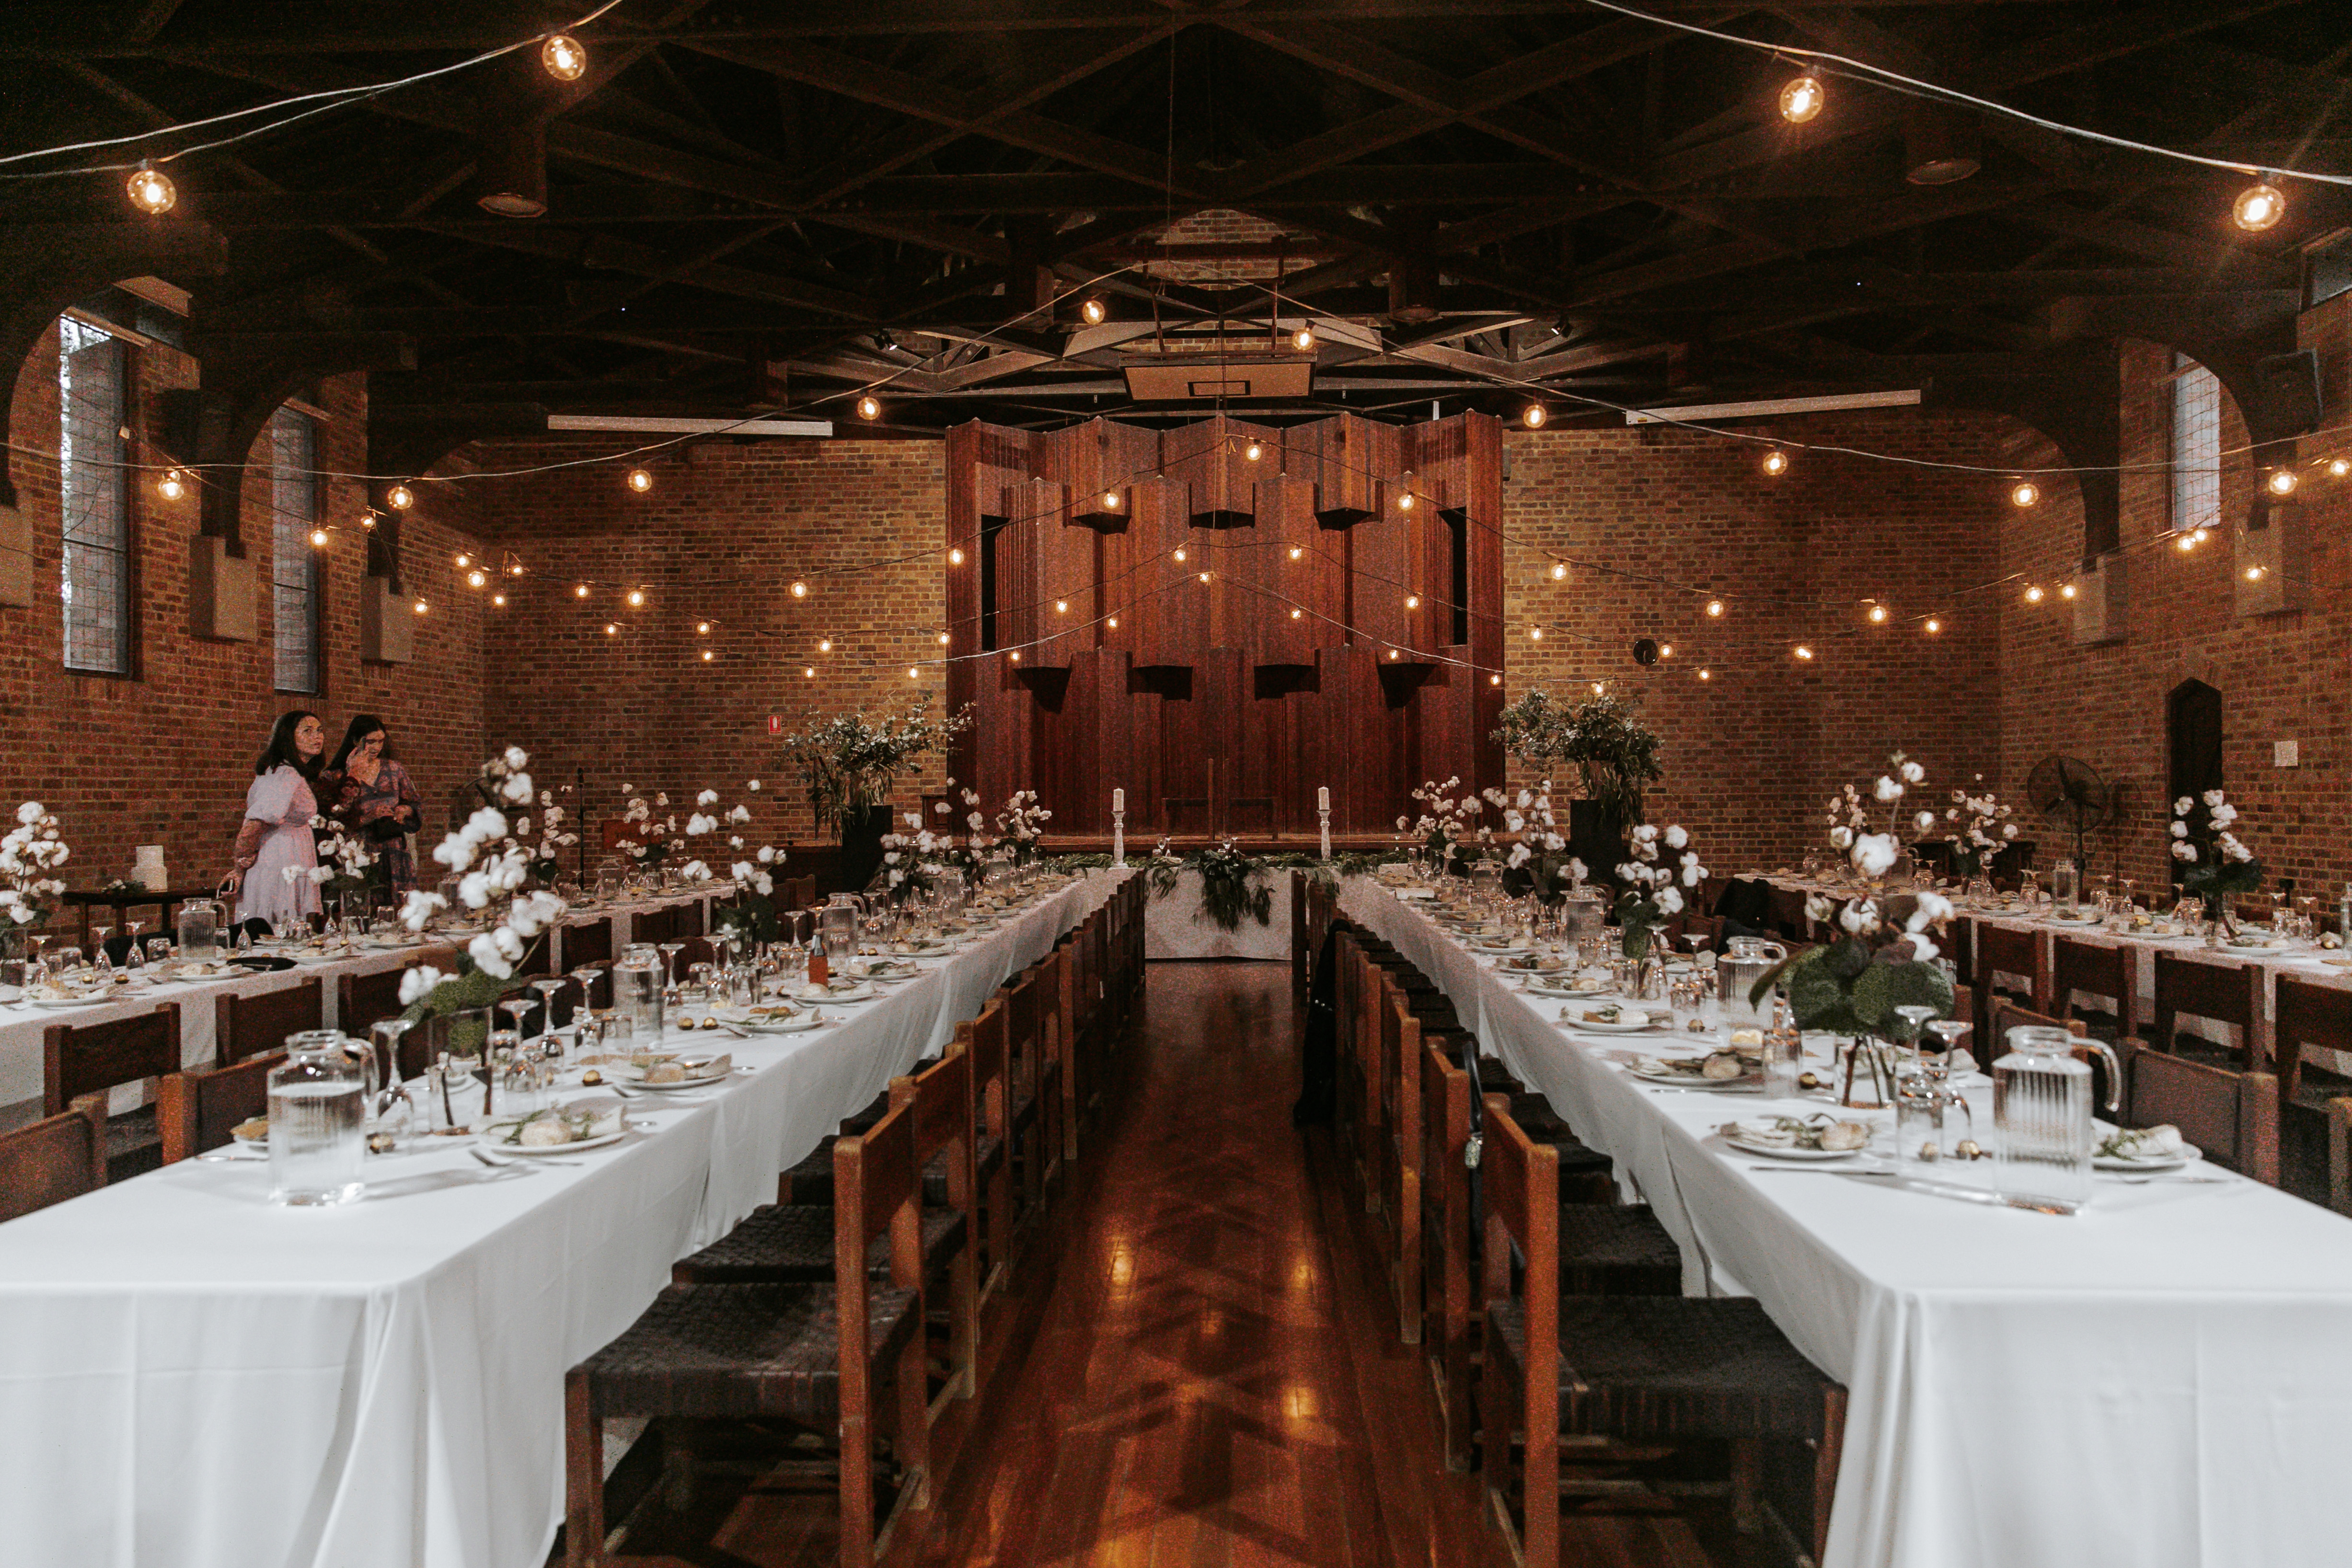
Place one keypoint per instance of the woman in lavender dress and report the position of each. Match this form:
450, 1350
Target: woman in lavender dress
276, 833
376, 802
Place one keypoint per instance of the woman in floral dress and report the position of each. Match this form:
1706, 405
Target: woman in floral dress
374, 799
275, 836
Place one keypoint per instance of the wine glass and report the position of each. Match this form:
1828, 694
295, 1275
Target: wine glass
132, 928
669, 951
549, 989
1947, 1031
586, 975
99, 931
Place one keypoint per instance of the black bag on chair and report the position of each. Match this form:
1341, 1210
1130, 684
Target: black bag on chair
1318, 1087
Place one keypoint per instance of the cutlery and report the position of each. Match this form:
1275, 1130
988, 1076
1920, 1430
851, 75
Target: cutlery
498, 1164
1818, 1171
2172, 1181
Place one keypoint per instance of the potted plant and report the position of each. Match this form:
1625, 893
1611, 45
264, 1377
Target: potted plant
2219, 865
1615, 756
848, 765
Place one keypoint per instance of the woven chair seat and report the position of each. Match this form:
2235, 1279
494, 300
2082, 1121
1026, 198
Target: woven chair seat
779, 1244
1616, 1249
134, 1145
742, 1351
1670, 1366
813, 1178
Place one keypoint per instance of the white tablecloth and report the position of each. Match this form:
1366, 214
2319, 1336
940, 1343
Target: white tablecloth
1174, 927
2154, 1383
191, 1378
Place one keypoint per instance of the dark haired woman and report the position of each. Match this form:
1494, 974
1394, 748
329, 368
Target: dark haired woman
374, 799
275, 852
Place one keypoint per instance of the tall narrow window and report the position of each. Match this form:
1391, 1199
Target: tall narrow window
95, 567
294, 561
2196, 444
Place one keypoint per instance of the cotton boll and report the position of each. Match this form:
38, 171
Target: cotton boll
1693, 874
742, 868
1519, 855
1859, 917
1676, 838
1843, 838
1925, 821
32, 811
1670, 901
2182, 850
1922, 948
1888, 790
1913, 773
1875, 854
1932, 906
767, 853
2179, 830
474, 890
753, 786
764, 883
2183, 807
486, 957
418, 983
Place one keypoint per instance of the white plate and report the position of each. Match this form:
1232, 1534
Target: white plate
1693, 1080
786, 1026
495, 1145
1542, 985
2169, 1163
1792, 1151
68, 1001
1582, 1023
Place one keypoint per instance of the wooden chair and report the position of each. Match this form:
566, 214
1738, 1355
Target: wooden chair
692, 949
1035, 1090
812, 1356
1623, 1369
653, 925
59, 1157
984, 1039
247, 1025
2007, 1016
800, 893
1401, 1061
2311, 1109
199, 1109
365, 999
1447, 1226
2233, 1116
2223, 993
589, 942
96, 1059
2109, 973
2002, 951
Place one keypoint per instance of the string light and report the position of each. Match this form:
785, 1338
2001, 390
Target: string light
477, 579
1535, 633
706, 656
421, 606
1559, 571
151, 191
500, 600
563, 58
514, 568
1404, 502
172, 485
2259, 206
612, 628
1061, 606
319, 540
1412, 601
1112, 623
1016, 656
400, 498
1665, 650
1394, 653
1205, 576
1297, 613
1801, 100
1180, 554
943, 638
1110, 500
1804, 652
367, 520
2066, 591
1494, 680
1254, 451
1303, 339
810, 673
824, 645
2201, 533
1933, 625
464, 559
1877, 615
2281, 483
800, 590
1534, 417
641, 480
1715, 607
1599, 689
1706, 675
1297, 552
580, 590
1092, 312
912, 673
702, 628
636, 598
2254, 573
2338, 467
2024, 493
1775, 463
2033, 594
955, 557
2185, 542
869, 407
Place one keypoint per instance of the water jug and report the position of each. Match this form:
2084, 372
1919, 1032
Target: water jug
838, 924
637, 986
1746, 959
318, 1114
200, 930
2065, 887
2042, 1110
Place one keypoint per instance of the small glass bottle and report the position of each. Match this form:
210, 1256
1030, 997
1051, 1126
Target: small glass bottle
820, 972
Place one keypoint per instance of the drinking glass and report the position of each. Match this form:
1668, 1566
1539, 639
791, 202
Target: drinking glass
1784, 1063
694, 1002
669, 951
549, 989
158, 949
67, 962
585, 977
1948, 1031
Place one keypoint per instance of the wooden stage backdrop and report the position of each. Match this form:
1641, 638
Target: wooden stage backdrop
1342, 637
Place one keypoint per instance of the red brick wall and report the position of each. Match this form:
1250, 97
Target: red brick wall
1750, 754
721, 537
165, 757
2280, 677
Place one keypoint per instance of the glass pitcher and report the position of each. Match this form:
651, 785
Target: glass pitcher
200, 926
637, 984
318, 1115
838, 924
2065, 887
1745, 960
2042, 1109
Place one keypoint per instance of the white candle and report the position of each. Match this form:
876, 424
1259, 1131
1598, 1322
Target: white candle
1119, 800
1322, 797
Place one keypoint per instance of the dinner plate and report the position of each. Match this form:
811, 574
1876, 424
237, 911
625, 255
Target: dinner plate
1789, 1152
1694, 1081
783, 1026
68, 1001
499, 1146
705, 1082
1582, 1023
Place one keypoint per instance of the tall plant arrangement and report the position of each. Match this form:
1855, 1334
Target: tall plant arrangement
29, 854
848, 762
2218, 863
1615, 754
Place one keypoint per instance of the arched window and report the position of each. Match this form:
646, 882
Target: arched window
2192, 727
2196, 446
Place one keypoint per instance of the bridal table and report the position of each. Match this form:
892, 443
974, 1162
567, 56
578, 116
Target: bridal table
1177, 927
193, 1378
2155, 1382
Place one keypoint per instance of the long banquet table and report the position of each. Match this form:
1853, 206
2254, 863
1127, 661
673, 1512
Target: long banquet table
192, 1378
2154, 1382
1176, 927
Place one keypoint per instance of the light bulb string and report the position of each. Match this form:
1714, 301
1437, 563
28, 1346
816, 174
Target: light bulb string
1911, 87
320, 103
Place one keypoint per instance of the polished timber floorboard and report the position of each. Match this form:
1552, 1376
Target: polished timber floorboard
1198, 1363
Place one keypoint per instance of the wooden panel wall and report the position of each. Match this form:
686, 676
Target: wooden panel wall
1324, 650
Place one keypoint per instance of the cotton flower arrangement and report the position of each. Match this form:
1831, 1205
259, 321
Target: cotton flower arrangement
1022, 823
29, 853
2219, 862
751, 915
1661, 865
1447, 822
492, 866
1536, 844
654, 837
1981, 824
343, 860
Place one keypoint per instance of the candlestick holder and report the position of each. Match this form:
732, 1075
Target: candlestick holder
1119, 838
1324, 817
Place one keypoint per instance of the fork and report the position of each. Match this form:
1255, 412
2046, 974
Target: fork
498, 1164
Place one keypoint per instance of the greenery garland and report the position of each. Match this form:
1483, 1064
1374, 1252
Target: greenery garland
1229, 889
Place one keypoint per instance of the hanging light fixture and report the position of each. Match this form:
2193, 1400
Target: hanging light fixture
1533, 417
955, 557
1775, 463
2259, 206
319, 541
1715, 606
2281, 483
477, 579
562, 58
500, 600
150, 190
421, 608
800, 590
1110, 500
1804, 652
172, 485
2033, 594
1933, 625
1559, 571
636, 598
1877, 615
1092, 312
580, 590
1303, 339
2024, 493
400, 498
2338, 467
1801, 100
1254, 451
641, 480
869, 407
2066, 591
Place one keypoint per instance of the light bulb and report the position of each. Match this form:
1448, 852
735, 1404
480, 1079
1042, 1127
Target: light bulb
640, 480
1665, 650
955, 557
1016, 656
810, 672
1412, 601
912, 673
2338, 467
2254, 573
1112, 623
1534, 417
612, 628
1559, 571
706, 656
151, 191
400, 498
1254, 451
869, 407
172, 485
1092, 312
367, 520
1295, 615
2185, 542
702, 628
1934, 627
1205, 576
1878, 615
1393, 653
514, 569
2258, 207
1110, 500
580, 590
800, 590
2066, 591
1535, 633
421, 606
1715, 606
2025, 492
563, 58
477, 579
824, 645
1297, 552
2281, 483
464, 559
2033, 595
2200, 534
1599, 687
1061, 606
1804, 652
1706, 675
1801, 100
943, 639
1775, 462
1404, 502
1180, 553
319, 540
500, 600
1494, 680
636, 598
1303, 339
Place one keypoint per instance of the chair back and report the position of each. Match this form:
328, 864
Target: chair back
2098, 970
98, 1057
800, 893
55, 1159
939, 1097
2307, 1016
693, 950
1024, 1034
590, 941
2233, 1116
365, 999
984, 1038
653, 925
2224, 992
247, 1025
199, 1109
878, 1185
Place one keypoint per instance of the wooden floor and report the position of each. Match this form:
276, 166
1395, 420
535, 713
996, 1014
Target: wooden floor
1199, 1366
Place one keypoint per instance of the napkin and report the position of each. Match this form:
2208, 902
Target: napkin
1764, 1132
2161, 1141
